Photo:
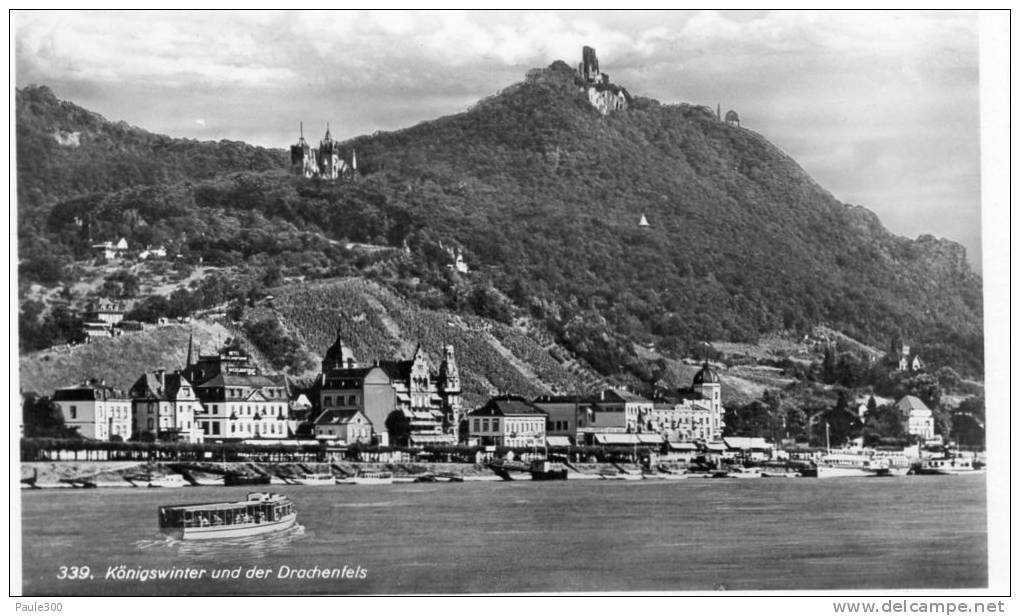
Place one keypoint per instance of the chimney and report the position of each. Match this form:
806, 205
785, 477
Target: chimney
161, 376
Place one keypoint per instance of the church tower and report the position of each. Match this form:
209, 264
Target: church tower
449, 390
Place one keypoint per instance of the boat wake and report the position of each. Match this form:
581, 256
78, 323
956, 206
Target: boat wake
255, 546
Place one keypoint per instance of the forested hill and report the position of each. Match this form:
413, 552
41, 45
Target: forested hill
64, 151
544, 195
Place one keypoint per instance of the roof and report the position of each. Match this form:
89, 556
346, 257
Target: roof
148, 386
333, 418
89, 391
616, 439
682, 446
612, 438
745, 442
706, 375
242, 380
397, 370
423, 439
562, 399
508, 406
911, 403
620, 395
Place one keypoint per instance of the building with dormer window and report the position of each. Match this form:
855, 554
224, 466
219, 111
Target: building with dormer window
238, 401
166, 406
406, 401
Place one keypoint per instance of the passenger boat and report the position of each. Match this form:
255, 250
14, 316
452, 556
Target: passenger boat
235, 478
368, 478
779, 473
313, 479
157, 480
544, 470
511, 471
622, 476
260, 513
850, 465
201, 478
946, 466
740, 472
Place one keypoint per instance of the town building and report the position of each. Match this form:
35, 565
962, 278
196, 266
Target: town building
683, 419
348, 427
100, 318
508, 421
105, 311
238, 401
110, 250
406, 401
907, 363
325, 162
95, 410
917, 416
165, 406
693, 413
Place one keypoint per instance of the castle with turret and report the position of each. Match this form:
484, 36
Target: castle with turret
326, 162
603, 95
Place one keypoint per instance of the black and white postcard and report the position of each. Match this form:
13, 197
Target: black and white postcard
531, 302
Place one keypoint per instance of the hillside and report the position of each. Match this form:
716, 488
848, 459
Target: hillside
543, 194
375, 323
118, 361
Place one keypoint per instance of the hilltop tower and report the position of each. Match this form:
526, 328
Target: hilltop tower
302, 157
330, 163
603, 95
325, 162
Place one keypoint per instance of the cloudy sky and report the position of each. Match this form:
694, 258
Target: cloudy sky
881, 108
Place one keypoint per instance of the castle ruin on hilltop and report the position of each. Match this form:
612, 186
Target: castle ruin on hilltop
326, 163
603, 95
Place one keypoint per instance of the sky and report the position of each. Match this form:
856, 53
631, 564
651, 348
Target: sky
881, 108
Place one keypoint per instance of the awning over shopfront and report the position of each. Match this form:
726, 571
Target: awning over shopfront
431, 439
682, 446
745, 443
558, 441
617, 439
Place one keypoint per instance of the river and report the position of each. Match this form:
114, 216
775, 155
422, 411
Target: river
505, 537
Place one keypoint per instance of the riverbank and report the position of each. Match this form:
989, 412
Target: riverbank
71, 474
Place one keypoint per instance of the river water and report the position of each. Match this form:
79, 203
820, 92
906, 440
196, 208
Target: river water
505, 537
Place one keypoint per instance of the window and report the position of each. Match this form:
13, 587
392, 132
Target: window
215, 409
329, 401
74, 412
495, 425
149, 424
352, 401
216, 427
478, 425
485, 425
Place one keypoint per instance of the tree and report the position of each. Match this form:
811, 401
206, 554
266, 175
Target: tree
749, 420
43, 418
882, 424
923, 385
